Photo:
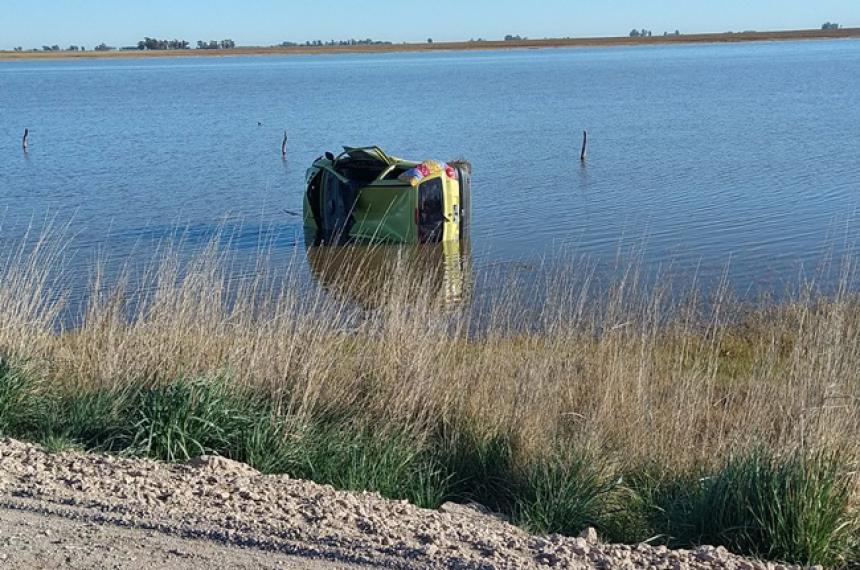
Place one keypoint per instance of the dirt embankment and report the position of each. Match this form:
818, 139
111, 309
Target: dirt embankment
79, 511
450, 46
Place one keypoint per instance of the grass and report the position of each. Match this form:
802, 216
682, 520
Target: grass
565, 494
649, 415
795, 508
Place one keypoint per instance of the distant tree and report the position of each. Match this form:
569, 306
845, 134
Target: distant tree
634, 33
517, 38
215, 44
429, 40
104, 47
829, 26
73, 48
677, 33
19, 48
148, 43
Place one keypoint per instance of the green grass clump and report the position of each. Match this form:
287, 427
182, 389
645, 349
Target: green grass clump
95, 419
795, 509
480, 468
54, 443
189, 418
565, 494
562, 493
266, 445
358, 457
24, 405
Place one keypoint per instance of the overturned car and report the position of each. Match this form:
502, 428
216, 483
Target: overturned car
363, 194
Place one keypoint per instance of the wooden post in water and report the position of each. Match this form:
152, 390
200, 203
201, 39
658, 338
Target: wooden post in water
284, 145
584, 154
25, 143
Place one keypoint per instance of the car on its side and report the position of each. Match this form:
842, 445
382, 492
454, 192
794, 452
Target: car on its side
364, 194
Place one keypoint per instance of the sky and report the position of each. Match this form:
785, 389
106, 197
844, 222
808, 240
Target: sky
33, 23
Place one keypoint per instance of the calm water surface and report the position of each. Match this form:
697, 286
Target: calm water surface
699, 156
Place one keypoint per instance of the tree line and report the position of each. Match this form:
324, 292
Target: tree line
146, 44
330, 43
155, 44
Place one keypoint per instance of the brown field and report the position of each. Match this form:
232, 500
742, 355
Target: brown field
455, 46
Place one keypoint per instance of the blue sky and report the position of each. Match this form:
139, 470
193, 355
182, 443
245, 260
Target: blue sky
32, 23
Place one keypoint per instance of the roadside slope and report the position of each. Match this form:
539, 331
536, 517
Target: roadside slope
221, 512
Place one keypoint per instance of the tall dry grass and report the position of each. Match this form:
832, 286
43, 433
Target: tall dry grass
639, 376
620, 368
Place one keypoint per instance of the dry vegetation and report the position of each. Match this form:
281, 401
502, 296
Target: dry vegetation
622, 388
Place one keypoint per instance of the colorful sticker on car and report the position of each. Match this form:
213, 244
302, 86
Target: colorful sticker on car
426, 169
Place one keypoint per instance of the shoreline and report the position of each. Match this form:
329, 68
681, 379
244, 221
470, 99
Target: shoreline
741, 37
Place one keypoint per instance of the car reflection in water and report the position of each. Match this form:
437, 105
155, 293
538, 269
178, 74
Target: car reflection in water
368, 274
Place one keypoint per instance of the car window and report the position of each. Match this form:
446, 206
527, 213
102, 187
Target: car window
431, 216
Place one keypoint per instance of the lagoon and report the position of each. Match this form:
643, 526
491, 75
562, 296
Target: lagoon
738, 158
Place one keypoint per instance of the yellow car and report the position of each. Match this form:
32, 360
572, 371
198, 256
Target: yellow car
363, 194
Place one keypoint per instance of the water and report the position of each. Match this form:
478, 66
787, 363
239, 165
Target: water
699, 156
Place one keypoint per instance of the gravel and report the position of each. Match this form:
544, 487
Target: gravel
236, 511
42, 542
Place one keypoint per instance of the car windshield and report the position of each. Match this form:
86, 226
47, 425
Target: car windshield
431, 215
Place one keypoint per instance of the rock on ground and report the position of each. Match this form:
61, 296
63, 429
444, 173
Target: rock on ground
225, 514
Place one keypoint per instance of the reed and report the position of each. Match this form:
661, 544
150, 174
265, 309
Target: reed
584, 410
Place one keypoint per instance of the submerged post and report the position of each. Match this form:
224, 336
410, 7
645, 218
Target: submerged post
584, 154
25, 143
284, 145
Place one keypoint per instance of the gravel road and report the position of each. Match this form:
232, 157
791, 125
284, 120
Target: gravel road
30, 539
71, 510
